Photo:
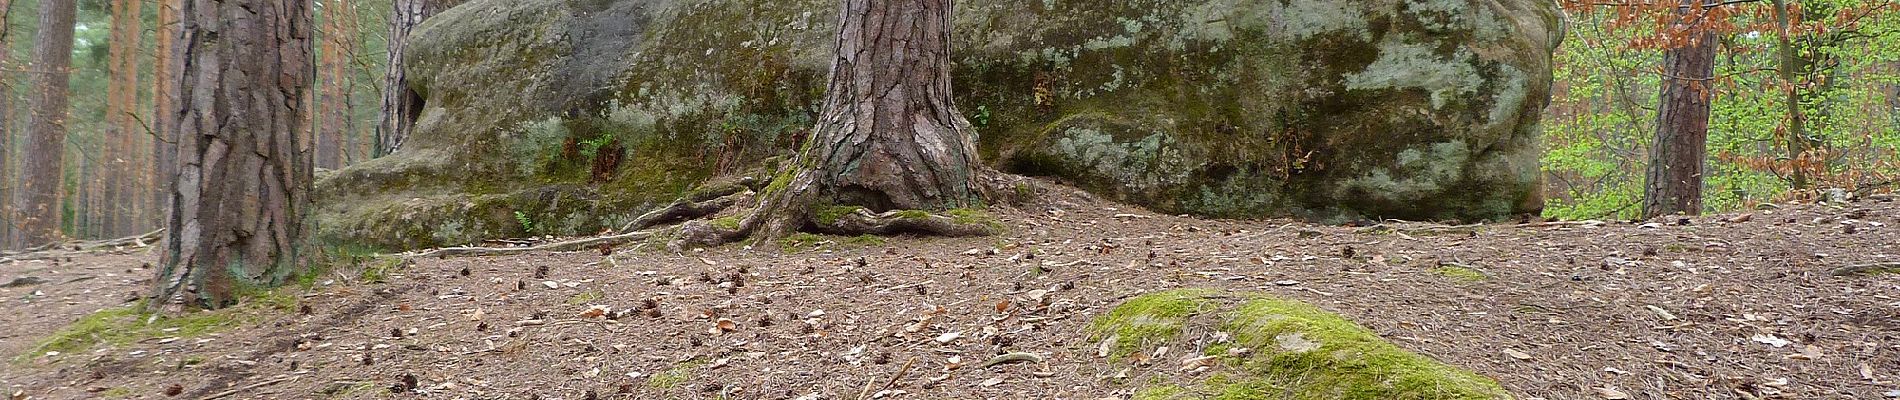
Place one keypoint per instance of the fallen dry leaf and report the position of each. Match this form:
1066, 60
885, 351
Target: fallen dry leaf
1521, 356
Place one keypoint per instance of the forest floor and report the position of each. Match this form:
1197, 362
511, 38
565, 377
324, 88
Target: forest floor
1737, 306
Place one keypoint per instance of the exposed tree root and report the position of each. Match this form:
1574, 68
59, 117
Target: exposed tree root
571, 245
696, 205
770, 217
1867, 269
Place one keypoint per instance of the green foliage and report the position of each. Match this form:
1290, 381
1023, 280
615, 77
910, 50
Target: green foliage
527, 223
1602, 117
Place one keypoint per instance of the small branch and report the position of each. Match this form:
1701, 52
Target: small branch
1867, 269
866, 393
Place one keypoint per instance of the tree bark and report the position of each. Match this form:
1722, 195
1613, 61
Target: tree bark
401, 104
165, 111
1678, 156
38, 194
244, 178
889, 142
889, 136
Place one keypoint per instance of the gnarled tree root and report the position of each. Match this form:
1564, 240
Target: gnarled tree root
696, 205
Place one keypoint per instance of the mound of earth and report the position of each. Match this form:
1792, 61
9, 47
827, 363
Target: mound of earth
1721, 307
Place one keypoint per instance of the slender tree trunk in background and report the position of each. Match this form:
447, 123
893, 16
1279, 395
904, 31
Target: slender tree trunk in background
8, 140
165, 111
401, 106
1787, 65
40, 161
244, 176
122, 129
332, 109
1678, 156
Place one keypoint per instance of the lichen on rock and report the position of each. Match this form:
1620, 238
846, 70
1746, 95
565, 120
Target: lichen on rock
1327, 110
1275, 348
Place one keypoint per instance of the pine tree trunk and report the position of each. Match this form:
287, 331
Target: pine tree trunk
38, 194
329, 88
889, 136
244, 175
402, 105
122, 129
165, 111
1677, 158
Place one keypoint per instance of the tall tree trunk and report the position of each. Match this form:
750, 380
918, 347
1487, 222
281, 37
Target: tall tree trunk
7, 138
165, 110
889, 136
401, 105
330, 66
1678, 156
244, 175
122, 128
41, 159
1788, 66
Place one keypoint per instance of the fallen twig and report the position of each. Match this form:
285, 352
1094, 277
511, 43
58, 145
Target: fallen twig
866, 393
1011, 358
1867, 269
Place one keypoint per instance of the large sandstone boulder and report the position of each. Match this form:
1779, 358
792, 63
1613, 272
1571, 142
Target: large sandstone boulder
568, 116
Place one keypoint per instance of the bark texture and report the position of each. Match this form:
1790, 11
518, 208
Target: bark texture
1678, 156
245, 172
889, 136
40, 160
401, 104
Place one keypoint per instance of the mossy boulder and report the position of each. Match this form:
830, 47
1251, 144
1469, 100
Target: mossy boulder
573, 114
1273, 348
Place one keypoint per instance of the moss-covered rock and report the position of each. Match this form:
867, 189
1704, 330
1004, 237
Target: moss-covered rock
1325, 109
1272, 348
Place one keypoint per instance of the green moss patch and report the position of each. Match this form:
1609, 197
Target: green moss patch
1460, 273
1149, 320
675, 376
1294, 351
132, 323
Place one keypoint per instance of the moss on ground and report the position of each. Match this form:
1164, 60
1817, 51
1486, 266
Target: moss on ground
674, 377
1297, 352
1460, 274
1148, 320
828, 215
132, 323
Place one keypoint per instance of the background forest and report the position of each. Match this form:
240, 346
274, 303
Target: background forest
1598, 129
